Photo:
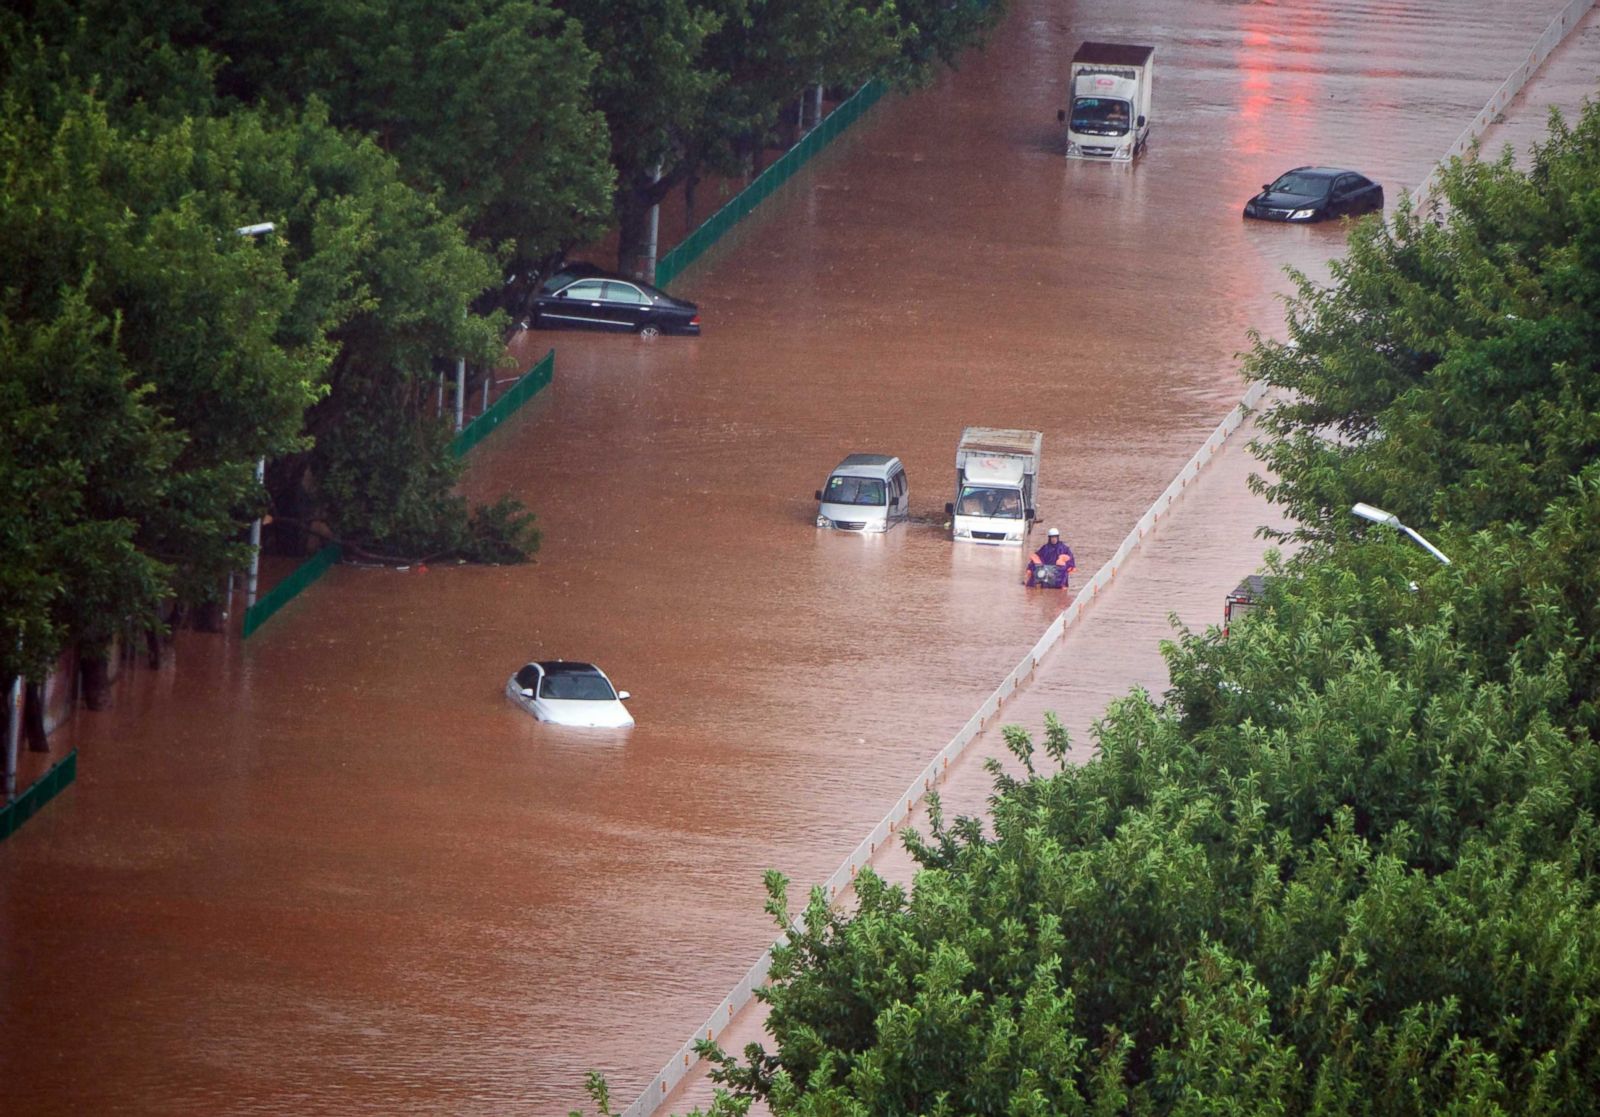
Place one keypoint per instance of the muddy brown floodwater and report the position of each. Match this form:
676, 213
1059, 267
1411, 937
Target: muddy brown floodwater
333, 870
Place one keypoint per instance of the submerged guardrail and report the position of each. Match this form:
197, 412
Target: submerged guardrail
38, 793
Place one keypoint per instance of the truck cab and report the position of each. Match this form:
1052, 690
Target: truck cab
995, 502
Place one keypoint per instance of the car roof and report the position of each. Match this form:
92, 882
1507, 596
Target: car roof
1320, 172
567, 667
573, 273
867, 465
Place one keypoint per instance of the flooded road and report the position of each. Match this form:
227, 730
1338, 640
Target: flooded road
333, 870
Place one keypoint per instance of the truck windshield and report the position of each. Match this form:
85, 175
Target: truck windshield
854, 490
996, 504
1101, 116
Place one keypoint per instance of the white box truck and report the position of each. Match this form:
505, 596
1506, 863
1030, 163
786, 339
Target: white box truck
1108, 101
996, 474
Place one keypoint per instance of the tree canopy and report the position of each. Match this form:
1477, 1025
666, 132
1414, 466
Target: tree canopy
419, 165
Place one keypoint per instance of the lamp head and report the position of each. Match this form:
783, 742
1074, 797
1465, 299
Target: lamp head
1376, 515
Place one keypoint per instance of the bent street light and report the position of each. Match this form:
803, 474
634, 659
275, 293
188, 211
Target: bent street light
1379, 516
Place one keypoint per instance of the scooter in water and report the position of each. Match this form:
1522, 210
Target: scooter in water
1046, 576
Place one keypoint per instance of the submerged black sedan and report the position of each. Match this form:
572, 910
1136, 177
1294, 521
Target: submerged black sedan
1315, 194
583, 297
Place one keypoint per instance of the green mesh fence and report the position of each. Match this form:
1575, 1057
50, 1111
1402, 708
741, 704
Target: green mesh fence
766, 184
40, 792
281, 594
527, 386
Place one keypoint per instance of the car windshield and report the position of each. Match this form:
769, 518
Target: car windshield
1301, 184
1100, 114
979, 500
583, 688
854, 490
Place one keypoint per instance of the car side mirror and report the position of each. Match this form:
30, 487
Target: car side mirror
1033, 513
819, 494
1141, 120
949, 509
1061, 116
527, 692
1266, 186
623, 695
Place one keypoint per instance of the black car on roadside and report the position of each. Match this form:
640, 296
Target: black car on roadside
1315, 194
584, 297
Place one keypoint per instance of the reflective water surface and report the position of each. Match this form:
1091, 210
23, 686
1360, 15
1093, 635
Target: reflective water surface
334, 870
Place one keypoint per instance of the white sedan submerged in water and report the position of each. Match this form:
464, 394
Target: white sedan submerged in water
569, 693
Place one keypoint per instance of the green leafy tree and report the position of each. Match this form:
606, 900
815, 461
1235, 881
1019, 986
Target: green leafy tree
121, 252
83, 459
771, 50
484, 102
653, 89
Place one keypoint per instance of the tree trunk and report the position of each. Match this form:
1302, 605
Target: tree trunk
96, 675
33, 718
207, 616
688, 200
633, 227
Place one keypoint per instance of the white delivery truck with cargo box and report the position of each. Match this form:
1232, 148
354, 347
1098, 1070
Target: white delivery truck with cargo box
1108, 101
996, 474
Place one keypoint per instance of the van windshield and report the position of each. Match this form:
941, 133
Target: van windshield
854, 490
996, 504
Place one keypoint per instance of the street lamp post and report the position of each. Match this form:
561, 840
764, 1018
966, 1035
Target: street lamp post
1379, 516
260, 229
255, 543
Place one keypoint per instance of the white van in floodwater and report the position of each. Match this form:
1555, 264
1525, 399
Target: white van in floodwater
865, 492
